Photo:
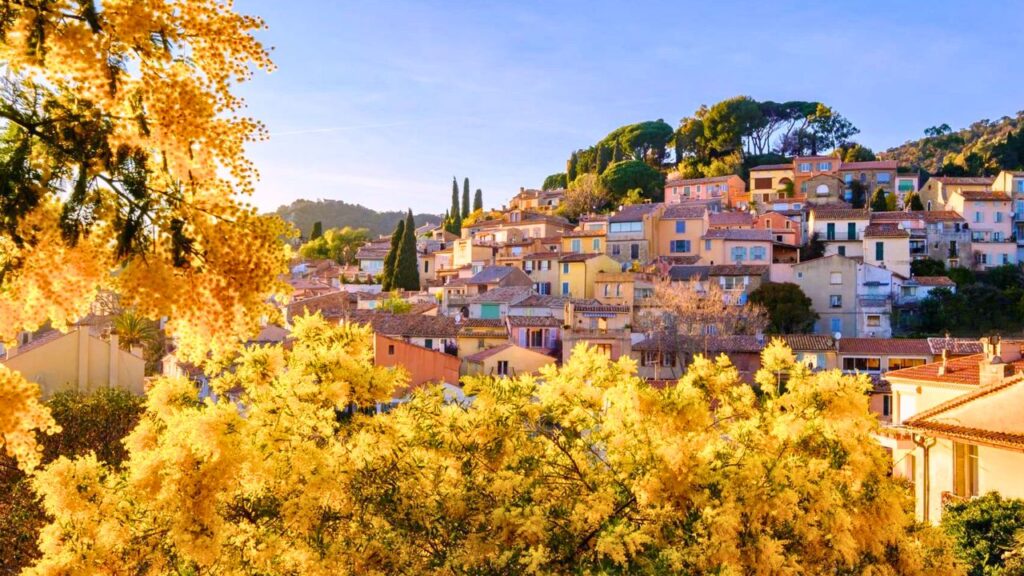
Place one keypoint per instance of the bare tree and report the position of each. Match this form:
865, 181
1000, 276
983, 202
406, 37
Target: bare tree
693, 317
584, 196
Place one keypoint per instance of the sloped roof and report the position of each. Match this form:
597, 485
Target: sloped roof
984, 196
809, 342
714, 344
766, 167
963, 370
955, 346
942, 281
578, 256
965, 180
686, 273
683, 212
885, 346
739, 270
925, 215
492, 274
989, 415
730, 219
885, 230
870, 165
331, 305
408, 325
740, 234
502, 295
833, 213
533, 321
691, 181
633, 212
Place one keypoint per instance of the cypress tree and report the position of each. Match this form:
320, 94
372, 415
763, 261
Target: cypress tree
407, 272
318, 230
914, 202
570, 168
478, 200
388, 273
465, 197
456, 212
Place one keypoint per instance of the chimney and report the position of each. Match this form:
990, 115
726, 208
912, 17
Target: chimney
942, 369
993, 369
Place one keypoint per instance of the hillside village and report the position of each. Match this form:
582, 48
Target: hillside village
521, 290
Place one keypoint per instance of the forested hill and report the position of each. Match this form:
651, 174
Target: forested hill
338, 214
983, 148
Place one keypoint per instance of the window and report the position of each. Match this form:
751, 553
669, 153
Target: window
481, 344
861, 364
805, 166
835, 278
655, 358
535, 338
901, 363
999, 217
830, 231
734, 282
1005, 258
879, 251
680, 226
821, 190
965, 470
576, 245
595, 245
997, 236
542, 288
874, 320
984, 258
803, 188
607, 289
836, 325
851, 230
977, 217
565, 267
758, 253
707, 245
887, 405
762, 183
624, 227
426, 266
391, 349
428, 343
848, 178
634, 251
679, 246
565, 288
686, 191
835, 301
883, 178
616, 250
1019, 185
824, 166
905, 185
738, 253
842, 250
618, 289
502, 368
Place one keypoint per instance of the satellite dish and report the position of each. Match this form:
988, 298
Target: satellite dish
838, 335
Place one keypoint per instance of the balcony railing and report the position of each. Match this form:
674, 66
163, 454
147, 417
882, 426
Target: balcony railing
842, 237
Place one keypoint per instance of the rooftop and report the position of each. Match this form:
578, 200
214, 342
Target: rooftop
739, 270
871, 165
833, 213
765, 167
964, 180
963, 371
683, 212
740, 234
885, 230
989, 415
984, 195
885, 346
408, 325
730, 219
941, 281
692, 181
634, 212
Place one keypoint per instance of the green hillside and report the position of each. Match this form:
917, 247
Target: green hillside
338, 214
983, 148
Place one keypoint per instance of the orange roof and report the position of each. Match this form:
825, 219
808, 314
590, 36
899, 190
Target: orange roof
989, 415
885, 346
872, 165
886, 230
982, 195
963, 371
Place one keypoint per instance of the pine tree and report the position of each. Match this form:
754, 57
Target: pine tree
465, 198
571, 167
407, 273
878, 202
478, 200
388, 273
318, 230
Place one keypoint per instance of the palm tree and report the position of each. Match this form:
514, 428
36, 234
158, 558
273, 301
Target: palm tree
134, 330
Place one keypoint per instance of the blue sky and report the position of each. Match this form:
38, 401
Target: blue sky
382, 102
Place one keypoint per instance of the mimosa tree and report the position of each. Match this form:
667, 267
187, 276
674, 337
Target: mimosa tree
122, 168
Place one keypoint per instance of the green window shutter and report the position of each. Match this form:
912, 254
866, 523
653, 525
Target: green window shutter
490, 311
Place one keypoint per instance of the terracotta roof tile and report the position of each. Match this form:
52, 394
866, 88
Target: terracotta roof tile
739, 234
687, 181
984, 196
955, 346
831, 213
872, 165
965, 180
809, 342
533, 321
885, 230
683, 212
772, 167
730, 219
739, 270
408, 325
942, 281
963, 370
992, 420
885, 346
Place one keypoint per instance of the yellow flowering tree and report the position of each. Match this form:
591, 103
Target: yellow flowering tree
122, 168
584, 469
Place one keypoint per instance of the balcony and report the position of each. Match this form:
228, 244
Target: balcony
842, 238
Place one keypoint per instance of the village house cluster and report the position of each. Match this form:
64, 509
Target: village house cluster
517, 292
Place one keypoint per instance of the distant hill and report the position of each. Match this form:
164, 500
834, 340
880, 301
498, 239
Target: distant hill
983, 148
338, 214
